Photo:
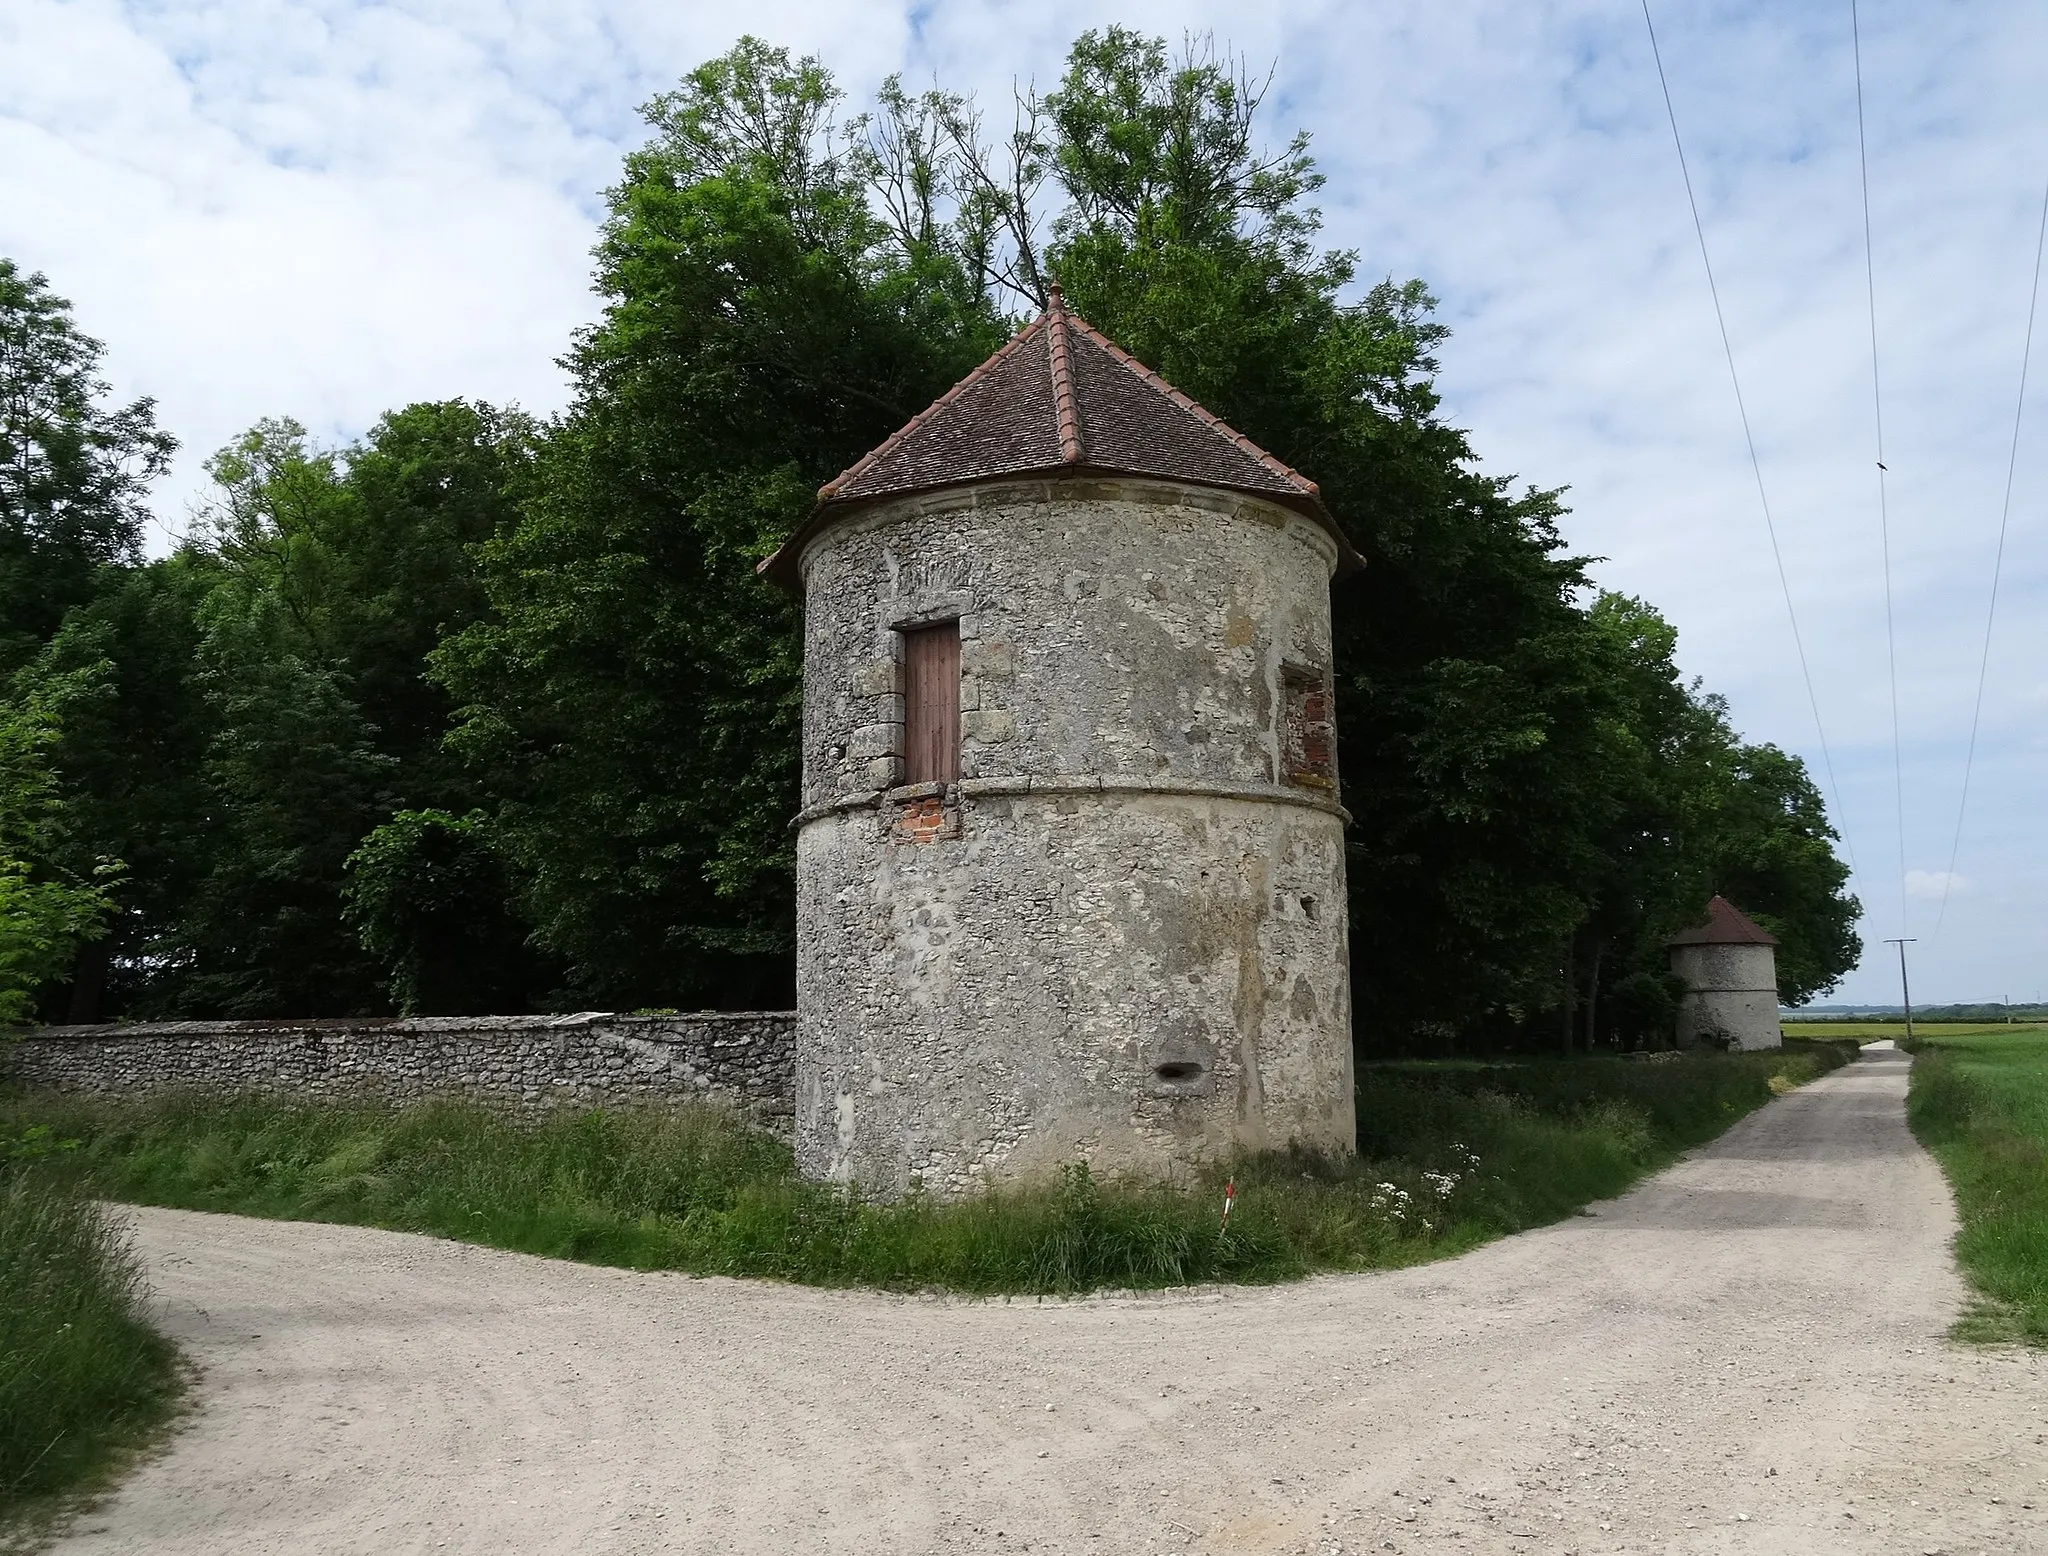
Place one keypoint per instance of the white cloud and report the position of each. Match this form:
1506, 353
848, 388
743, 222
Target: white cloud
325, 209
1935, 885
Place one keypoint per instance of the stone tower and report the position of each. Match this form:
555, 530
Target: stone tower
1070, 864
1730, 969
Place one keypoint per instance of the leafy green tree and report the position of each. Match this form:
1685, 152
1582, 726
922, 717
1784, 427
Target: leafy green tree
326, 578
1538, 798
73, 469
45, 913
1696, 812
480, 713
634, 692
427, 897
1772, 851
1469, 685
130, 759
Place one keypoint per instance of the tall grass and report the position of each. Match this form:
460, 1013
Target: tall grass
83, 1377
1979, 1103
1451, 1156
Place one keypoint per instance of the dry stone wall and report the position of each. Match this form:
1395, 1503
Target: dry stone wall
743, 1059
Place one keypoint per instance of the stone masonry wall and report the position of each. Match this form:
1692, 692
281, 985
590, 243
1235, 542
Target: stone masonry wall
1121, 936
1731, 994
740, 1058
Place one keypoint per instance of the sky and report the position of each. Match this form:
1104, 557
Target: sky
328, 210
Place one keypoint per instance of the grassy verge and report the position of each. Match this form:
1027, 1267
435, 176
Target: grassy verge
1979, 1103
1452, 1155
84, 1380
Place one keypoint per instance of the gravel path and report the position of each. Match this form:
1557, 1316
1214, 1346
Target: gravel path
1744, 1355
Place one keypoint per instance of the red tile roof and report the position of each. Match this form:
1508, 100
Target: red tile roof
1726, 925
1060, 398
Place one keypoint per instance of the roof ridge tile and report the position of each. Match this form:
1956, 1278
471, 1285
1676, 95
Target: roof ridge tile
1064, 407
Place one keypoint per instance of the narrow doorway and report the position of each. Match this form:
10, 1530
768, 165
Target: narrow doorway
931, 703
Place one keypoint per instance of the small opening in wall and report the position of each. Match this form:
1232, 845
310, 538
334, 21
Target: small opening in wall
1308, 909
1177, 1071
1308, 736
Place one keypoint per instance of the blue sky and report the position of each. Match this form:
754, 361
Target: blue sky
326, 210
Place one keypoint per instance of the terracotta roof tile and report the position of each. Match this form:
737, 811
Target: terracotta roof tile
1726, 925
996, 421
1061, 398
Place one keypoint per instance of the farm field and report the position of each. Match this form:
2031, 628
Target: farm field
1877, 1029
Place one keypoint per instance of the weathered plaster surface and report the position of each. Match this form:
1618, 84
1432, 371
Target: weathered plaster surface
740, 1058
1731, 993
1122, 936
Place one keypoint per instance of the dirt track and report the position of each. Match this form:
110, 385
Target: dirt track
1745, 1355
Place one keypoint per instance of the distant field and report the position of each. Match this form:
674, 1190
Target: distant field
1923, 1028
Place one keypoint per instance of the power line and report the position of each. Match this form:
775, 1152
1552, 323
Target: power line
1748, 437
2012, 460
1884, 527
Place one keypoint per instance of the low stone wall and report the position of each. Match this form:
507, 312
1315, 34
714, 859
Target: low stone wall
741, 1058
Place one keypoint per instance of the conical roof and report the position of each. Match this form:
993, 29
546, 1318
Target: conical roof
1726, 925
1060, 399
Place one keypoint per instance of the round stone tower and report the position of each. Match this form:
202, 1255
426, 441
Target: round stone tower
1070, 864
1730, 968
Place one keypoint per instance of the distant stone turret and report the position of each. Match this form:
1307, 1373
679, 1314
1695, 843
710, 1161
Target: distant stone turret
1730, 968
1070, 865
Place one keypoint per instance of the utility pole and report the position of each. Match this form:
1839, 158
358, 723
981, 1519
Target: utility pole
1905, 988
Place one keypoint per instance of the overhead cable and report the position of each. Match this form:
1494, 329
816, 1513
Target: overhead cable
2012, 461
1749, 438
1884, 528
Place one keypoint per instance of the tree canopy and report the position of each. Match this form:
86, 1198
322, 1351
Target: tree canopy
481, 712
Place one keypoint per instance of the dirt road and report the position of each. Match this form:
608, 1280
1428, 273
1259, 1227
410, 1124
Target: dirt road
1745, 1355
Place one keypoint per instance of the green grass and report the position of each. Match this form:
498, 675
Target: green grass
1453, 1155
84, 1379
1979, 1103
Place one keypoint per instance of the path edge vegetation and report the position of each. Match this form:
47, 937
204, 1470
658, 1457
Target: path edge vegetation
1453, 1155
88, 1385
1978, 1101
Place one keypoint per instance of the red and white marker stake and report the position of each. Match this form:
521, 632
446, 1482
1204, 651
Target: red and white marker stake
1229, 1199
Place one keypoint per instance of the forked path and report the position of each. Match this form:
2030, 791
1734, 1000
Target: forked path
1747, 1354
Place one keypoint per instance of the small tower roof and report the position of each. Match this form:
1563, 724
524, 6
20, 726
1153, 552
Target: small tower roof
1061, 398
1726, 925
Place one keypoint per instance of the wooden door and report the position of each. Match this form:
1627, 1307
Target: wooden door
931, 704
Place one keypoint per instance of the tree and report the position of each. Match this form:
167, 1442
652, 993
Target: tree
73, 469
1467, 682
426, 896
45, 913
634, 693
333, 574
1772, 851
130, 759
1537, 796
480, 712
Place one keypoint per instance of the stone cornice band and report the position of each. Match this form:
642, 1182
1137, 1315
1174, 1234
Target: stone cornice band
995, 788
